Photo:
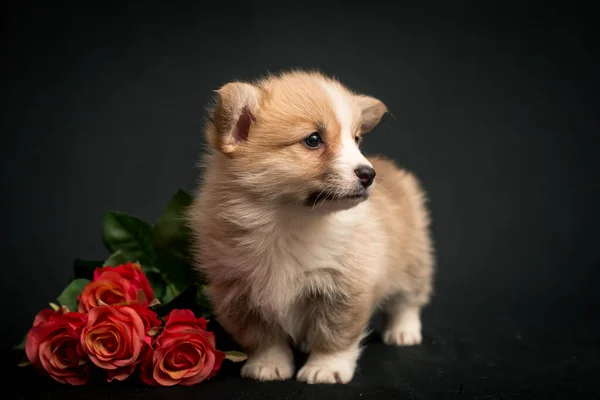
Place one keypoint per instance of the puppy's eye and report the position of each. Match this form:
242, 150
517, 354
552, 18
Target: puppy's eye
357, 139
313, 140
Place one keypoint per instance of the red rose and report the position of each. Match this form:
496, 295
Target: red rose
53, 345
115, 285
184, 353
151, 321
116, 337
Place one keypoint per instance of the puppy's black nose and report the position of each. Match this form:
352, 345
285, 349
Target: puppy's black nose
365, 174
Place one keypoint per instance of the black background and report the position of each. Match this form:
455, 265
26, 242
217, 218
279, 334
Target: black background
495, 108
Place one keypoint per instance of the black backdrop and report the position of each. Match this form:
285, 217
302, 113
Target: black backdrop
495, 108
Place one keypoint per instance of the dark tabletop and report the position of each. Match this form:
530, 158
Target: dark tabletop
540, 357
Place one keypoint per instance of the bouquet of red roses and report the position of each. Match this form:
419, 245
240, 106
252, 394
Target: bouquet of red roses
134, 313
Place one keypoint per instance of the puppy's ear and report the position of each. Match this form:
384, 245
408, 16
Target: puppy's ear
232, 117
372, 110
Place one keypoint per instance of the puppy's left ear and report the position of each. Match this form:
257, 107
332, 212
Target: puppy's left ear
372, 110
233, 116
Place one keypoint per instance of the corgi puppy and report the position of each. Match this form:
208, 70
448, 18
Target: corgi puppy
300, 236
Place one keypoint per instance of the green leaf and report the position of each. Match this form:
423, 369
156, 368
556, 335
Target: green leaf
24, 363
170, 293
235, 356
171, 232
117, 258
158, 284
21, 346
177, 272
129, 234
69, 295
171, 241
85, 269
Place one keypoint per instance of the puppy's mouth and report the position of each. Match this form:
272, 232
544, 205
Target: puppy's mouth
321, 196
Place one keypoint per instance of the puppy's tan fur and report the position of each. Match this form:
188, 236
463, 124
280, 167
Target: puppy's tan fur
283, 270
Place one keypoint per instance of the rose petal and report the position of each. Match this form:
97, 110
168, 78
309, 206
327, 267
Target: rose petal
77, 380
209, 362
44, 353
179, 320
147, 367
43, 316
121, 373
32, 346
184, 356
219, 357
159, 376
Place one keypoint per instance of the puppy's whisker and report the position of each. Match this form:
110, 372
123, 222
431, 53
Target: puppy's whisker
317, 198
327, 191
379, 185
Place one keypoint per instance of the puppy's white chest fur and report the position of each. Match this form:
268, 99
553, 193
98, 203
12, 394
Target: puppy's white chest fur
287, 262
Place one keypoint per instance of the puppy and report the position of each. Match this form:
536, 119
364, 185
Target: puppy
300, 236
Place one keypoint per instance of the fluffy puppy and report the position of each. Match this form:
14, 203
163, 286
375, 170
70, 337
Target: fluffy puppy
302, 237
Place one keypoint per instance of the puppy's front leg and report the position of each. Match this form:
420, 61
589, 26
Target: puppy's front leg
270, 356
336, 330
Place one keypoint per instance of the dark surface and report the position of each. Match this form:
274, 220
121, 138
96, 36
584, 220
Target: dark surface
557, 361
494, 107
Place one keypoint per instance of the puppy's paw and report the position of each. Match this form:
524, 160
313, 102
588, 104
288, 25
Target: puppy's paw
405, 333
270, 364
267, 371
324, 374
327, 369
